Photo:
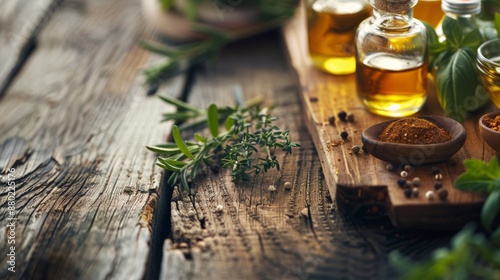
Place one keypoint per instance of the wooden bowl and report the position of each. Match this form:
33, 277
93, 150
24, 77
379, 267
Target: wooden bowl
491, 136
415, 154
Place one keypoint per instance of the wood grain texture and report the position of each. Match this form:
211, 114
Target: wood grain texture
360, 179
264, 235
20, 24
74, 128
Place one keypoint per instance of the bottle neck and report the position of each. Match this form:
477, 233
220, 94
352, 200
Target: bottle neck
393, 20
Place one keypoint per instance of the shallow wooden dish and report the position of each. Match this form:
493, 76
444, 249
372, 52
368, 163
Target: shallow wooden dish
415, 154
489, 135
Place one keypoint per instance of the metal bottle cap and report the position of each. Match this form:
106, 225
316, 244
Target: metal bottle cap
461, 7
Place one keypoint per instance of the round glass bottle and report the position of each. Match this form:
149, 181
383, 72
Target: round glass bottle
392, 59
331, 25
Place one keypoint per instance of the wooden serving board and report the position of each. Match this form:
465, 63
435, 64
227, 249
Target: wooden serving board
360, 182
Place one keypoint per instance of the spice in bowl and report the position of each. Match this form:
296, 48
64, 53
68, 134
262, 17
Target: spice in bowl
492, 122
414, 131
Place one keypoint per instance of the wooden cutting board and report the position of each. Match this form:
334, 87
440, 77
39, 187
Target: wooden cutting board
360, 182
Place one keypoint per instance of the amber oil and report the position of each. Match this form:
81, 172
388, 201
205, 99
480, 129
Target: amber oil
488, 65
391, 85
429, 11
331, 29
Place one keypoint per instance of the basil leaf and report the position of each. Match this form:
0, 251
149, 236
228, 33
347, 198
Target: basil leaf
456, 81
490, 209
480, 176
453, 32
473, 39
213, 120
432, 37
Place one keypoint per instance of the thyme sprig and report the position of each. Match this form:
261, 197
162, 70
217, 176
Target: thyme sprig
247, 145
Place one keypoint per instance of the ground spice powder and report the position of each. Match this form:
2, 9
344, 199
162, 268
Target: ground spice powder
414, 131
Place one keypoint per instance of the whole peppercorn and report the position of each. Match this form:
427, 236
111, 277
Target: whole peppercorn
438, 176
407, 168
404, 174
401, 182
355, 149
442, 193
408, 185
414, 192
344, 135
389, 167
288, 186
416, 182
435, 170
430, 195
342, 116
407, 193
350, 117
331, 120
438, 185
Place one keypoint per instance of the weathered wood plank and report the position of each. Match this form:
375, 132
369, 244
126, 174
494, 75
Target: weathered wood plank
262, 235
20, 24
73, 132
356, 180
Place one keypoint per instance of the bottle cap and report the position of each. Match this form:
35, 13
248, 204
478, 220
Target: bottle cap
461, 7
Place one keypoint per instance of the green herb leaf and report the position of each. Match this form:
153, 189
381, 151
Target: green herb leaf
176, 134
455, 81
229, 123
490, 209
180, 105
497, 23
453, 32
200, 138
213, 119
472, 39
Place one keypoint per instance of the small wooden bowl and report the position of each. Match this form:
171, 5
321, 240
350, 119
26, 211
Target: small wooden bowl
412, 153
489, 135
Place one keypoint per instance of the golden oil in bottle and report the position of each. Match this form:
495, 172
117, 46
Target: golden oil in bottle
429, 11
331, 28
391, 86
392, 59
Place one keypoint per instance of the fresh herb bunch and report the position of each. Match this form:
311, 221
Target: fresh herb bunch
246, 146
453, 63
472, 254
180, 57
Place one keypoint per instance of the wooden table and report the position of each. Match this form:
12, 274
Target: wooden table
89, 200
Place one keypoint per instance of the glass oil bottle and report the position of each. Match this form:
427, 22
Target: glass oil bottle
392, 59
331, 27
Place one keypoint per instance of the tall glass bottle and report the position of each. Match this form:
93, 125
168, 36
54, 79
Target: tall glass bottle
331, 25
392, 59
461, 10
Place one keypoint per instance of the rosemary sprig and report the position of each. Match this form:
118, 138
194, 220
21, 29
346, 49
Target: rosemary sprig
247, 145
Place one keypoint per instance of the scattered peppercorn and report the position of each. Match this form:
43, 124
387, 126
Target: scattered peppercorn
288, 186
416, 182
442, 193
408, 185
219, 208
355, 149
342, 116
438, 185
389, 167
401, 182
414, 192
313, 98
435, 170
404, 174
331, 119
438, 176
350, 117
408, 193
344, 135
407, 168
271, 188
430, 195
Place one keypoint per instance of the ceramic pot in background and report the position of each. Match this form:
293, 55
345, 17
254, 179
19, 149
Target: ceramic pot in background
174, 25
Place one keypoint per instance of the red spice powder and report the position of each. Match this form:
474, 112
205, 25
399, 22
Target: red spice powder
414, 131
